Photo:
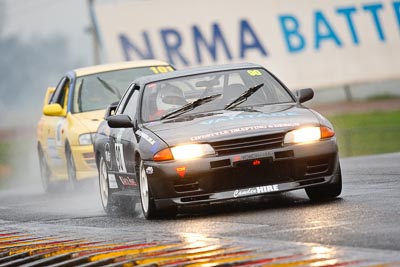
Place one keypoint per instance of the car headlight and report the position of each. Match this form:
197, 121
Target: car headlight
186, 152
308, 134
86, 139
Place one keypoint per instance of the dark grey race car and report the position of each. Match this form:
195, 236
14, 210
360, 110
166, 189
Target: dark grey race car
210, 134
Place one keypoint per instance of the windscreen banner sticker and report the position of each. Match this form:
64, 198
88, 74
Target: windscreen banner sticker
254, 72
119, 158
249, 116
112, 182
255, 190
161, 69
243, 129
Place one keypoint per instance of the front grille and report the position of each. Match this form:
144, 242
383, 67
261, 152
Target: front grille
245, 174
262, 171
248, 144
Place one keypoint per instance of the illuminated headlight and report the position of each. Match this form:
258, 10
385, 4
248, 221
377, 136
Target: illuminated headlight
192, 151
308, 134
86, 139
184, 152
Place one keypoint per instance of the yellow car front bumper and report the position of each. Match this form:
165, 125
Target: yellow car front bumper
85, 162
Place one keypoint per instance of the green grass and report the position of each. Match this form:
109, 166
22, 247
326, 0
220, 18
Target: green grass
4, 159
367, 133
382, 97
4, 152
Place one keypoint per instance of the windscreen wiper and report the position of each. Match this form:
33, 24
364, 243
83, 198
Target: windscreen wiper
109, 87
189, 106
243, 97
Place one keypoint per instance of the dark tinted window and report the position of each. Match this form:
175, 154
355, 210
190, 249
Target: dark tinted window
163, 97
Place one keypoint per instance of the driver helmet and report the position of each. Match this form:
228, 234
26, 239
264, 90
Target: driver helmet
170, 97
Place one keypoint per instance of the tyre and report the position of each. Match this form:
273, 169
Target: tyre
111, 204
146, 199
149, 208
328, 191
71, 170
108, 202
45, 173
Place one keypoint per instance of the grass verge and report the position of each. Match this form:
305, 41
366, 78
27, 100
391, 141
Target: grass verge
367, 133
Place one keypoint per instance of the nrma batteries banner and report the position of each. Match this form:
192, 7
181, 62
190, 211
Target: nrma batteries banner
307, 43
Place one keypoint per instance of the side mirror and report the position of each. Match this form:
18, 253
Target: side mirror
119, 121
53, 110
110, 111
304, 95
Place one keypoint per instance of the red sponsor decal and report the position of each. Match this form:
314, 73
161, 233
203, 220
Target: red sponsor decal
127, 181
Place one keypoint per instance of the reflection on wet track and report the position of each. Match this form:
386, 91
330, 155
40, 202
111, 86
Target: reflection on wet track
359, 229
29, 249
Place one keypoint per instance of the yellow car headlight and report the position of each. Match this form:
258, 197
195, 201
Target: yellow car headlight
86, 139
308, 134
184, 152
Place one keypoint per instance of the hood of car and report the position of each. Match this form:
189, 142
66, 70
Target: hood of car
90, 120
231, 124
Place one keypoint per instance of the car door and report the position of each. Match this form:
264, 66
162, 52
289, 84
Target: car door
123, 140
53, 129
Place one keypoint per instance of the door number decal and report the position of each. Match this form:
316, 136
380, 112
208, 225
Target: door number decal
119, 158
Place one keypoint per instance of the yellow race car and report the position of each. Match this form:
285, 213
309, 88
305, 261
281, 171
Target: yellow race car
72, 112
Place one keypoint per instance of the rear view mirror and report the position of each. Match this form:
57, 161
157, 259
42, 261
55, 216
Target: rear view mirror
209, 83
304, 95
174, 100
53, 110
119, 121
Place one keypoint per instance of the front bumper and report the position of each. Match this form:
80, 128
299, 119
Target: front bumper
241, 175
85, 162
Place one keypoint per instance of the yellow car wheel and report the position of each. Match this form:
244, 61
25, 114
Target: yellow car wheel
72, 182
45, 172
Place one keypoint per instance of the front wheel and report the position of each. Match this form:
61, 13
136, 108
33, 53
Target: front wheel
328, 191
44, 171
112, 204
146, 199
71, 170
149, 208
103, 186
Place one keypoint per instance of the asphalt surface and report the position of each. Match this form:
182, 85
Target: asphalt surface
365, 219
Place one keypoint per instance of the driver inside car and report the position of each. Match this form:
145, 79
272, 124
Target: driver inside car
168, 99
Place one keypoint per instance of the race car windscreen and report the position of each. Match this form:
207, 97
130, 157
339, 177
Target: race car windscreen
97, 91
164, 97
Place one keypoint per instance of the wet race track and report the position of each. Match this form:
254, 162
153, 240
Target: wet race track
362, 228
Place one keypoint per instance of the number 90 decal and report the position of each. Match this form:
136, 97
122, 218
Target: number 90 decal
254, 72
161, 69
